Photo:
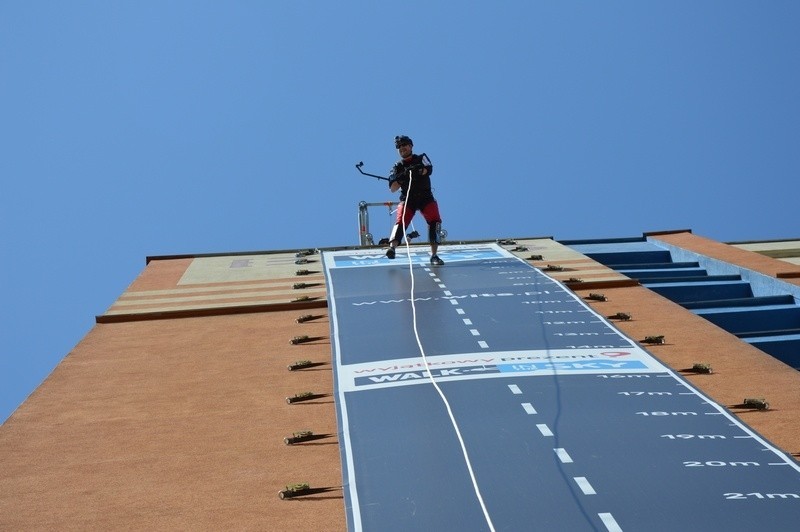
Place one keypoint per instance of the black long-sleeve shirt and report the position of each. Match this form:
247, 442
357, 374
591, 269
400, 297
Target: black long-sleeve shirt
421, 193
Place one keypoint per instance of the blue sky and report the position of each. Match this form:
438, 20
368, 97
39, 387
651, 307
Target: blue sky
136, 128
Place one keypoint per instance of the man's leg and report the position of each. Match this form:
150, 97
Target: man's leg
403, 219
434, 229
431, 214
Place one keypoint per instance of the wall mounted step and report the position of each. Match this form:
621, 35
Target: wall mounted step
764, 322
787, 350
681, 293
699, 279
773, 332
740, 302
631, 257
663, 274
657, 266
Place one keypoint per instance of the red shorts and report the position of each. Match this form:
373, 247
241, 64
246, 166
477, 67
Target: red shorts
430, 212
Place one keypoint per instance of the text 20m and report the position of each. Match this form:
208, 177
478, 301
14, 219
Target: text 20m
718, 463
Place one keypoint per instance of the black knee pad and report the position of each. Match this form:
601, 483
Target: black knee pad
434, 229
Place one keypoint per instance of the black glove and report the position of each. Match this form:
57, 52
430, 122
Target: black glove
397, 174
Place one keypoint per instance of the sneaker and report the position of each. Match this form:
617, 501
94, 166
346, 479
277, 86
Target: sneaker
436, 261
390, 253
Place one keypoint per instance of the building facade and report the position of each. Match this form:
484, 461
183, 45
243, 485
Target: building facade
178, 409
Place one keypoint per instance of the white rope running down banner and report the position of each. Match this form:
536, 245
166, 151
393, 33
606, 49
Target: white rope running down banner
430, 375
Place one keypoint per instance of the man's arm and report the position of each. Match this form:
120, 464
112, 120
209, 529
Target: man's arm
395, 175
427, 165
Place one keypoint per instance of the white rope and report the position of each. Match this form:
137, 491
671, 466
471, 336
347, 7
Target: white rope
428, 369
